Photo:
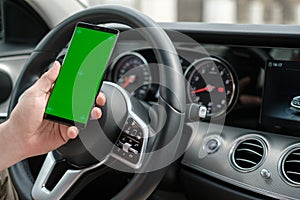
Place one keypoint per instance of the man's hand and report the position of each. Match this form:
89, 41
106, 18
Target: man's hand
26, 133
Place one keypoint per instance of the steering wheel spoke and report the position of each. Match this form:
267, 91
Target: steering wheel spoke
56, 177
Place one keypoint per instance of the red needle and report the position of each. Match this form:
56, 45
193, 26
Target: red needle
208, 88
128, 80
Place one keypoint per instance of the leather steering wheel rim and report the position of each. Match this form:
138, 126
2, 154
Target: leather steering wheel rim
172, 95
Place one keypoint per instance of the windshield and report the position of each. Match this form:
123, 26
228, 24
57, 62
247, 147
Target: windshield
215, 11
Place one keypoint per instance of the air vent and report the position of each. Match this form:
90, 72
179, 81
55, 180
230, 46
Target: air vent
248, 154
290, 166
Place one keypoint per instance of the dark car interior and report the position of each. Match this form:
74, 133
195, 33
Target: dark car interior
245, 146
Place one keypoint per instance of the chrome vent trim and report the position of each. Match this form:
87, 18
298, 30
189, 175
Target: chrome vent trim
290, 165
248, 153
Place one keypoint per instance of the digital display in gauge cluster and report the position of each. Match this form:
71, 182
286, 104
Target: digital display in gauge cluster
281, 97
212, 83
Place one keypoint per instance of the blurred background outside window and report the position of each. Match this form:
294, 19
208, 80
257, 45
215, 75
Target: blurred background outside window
215, 11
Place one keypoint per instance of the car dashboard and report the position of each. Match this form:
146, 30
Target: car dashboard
239, 148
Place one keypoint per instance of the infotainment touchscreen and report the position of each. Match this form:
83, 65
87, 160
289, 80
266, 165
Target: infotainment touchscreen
281, 97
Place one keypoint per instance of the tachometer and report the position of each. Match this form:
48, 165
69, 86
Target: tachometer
213, 84
131, 72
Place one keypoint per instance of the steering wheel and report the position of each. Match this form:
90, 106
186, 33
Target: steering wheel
68, 169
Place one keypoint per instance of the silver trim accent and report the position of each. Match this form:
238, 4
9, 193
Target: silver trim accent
206, 143
288, 151
266, 174
240, 141
39, 191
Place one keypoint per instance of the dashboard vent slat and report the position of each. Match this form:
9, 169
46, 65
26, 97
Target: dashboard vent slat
248, 154
247, 161
251, 144
293, 161
290, 166
250, 151
295, 173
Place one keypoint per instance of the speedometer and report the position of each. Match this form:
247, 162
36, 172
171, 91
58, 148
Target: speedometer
132, 73
212, 83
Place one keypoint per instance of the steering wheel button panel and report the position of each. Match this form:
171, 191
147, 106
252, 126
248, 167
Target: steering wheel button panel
130, 144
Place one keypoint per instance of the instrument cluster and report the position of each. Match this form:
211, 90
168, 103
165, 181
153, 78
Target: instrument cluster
210, 80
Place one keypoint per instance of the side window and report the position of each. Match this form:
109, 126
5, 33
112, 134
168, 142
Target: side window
20, 23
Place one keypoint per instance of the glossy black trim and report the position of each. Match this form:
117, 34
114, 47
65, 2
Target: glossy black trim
197, 184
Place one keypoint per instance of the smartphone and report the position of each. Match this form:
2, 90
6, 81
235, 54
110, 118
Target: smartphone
81, 75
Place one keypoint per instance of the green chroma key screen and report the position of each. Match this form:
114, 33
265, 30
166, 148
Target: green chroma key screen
81, 74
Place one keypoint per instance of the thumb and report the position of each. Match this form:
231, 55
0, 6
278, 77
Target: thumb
46, 81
